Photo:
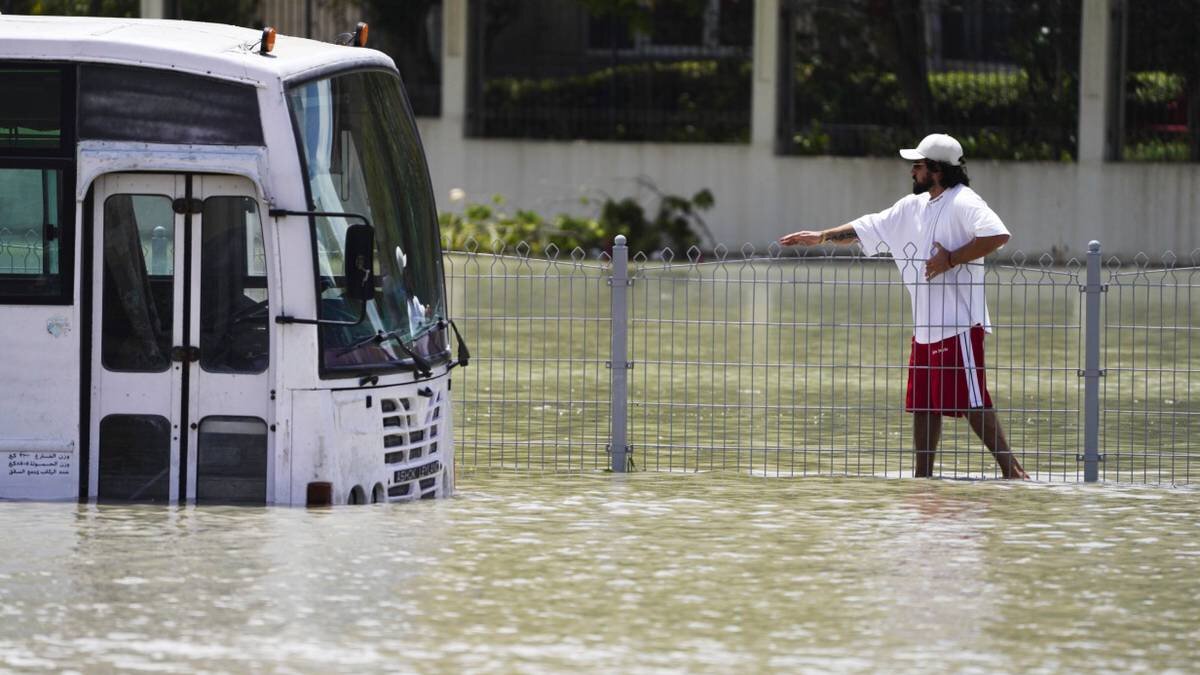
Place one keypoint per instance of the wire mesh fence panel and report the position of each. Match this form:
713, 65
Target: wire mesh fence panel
536, 393
744, 363
792, 364
789, 365
1150, 393
1161, 87
863, 78
1034, 370
665, 71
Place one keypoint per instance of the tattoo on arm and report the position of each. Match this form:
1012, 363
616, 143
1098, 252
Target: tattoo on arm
844, 235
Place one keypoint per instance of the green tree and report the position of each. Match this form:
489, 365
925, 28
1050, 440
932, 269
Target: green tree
864, 84
897, 27
637, 16
234, 12
877, 41
1044, 43
114, 8
403, 31
1161, 38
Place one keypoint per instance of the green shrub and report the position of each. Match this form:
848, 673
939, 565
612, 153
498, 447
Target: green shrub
490, 225
1157, 150
676, 223
996, 115
683, 101
1155, 87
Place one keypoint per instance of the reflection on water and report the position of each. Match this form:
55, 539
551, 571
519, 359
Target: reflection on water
608, 573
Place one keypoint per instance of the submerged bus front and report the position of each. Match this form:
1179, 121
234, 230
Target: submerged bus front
362, 158
220, 271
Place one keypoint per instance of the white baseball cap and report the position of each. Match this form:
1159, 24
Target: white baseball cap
938, 147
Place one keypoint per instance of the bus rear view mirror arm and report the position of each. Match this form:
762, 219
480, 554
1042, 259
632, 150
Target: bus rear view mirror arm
464, 354
358, 264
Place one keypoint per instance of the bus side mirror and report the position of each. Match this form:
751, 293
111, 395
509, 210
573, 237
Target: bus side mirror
360, 262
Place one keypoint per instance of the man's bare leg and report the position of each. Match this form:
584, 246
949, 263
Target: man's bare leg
927, 431
986, 426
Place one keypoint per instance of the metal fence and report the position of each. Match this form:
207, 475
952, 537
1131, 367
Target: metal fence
667, 71
858, 77
537, 392
1160, 81
788, 364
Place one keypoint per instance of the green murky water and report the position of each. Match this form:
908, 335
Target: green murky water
602, 573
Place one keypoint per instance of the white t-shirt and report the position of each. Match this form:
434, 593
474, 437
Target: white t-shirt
953, 301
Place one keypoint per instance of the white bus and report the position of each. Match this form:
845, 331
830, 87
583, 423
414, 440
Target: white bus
220, 270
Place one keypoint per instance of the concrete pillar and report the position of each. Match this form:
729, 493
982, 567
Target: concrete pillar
153, 9
454, 62
1098, 53
444, 136
1097, 131
766, 68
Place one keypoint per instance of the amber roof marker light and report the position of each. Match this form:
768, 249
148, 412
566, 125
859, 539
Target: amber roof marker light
360, 34
268, 41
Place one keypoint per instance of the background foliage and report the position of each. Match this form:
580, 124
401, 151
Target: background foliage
673, 222
236, 12
866, 81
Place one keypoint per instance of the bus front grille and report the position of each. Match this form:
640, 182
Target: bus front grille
411, 430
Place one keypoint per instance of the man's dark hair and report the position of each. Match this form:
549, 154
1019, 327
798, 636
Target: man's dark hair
951, 175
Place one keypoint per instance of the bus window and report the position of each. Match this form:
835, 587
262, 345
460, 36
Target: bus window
233, 288
231, 461
36, 175
139, 278
135, 458
31, 109
119, 103
362, 154
30, 231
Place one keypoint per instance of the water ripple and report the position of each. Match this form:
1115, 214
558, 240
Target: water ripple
653, 573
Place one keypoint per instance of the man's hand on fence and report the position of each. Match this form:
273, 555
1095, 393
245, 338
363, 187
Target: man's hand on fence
802, 238
938, 263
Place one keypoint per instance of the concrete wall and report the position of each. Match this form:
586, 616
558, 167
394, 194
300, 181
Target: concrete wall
1050, 207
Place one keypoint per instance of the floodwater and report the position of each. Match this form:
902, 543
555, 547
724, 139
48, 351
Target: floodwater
603, 573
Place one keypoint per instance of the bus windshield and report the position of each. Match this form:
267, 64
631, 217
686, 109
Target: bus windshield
361, 150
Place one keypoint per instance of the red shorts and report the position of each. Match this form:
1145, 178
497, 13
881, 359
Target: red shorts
947, 376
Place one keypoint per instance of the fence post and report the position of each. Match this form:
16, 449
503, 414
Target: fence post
1091, 367
618, 357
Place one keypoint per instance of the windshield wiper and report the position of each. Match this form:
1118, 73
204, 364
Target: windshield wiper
370, 339
423, 367
464, 354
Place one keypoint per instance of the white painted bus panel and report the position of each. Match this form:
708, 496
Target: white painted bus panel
39, 402
401, 436
319, 429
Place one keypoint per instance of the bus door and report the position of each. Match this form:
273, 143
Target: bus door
181, 395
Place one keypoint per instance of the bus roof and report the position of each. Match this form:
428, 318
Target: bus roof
215, 50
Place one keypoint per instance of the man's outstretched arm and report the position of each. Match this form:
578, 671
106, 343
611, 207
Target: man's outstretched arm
842, 234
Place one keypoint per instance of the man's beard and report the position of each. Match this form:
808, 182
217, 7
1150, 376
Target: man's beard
921, 188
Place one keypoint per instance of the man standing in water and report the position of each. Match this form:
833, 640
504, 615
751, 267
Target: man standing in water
947, 221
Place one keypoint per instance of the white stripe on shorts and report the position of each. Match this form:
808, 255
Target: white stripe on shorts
974, 396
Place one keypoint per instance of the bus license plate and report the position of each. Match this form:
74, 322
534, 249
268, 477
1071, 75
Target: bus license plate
413, 473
